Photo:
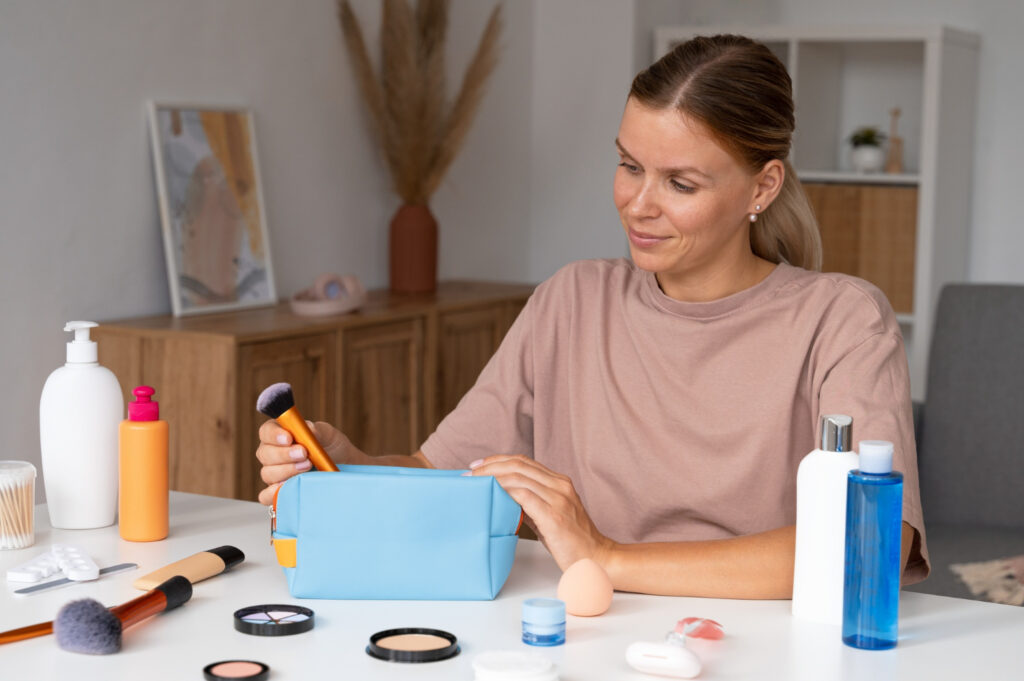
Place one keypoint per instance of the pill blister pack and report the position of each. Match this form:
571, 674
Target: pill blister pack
69, 561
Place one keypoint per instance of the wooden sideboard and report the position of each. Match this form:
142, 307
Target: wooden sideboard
386, 374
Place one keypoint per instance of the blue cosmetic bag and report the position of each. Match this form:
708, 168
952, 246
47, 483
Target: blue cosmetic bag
382, 532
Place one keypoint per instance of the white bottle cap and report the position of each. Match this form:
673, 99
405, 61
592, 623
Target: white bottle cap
82, 350
875, 456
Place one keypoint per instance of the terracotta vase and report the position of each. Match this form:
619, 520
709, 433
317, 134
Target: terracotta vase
412, 250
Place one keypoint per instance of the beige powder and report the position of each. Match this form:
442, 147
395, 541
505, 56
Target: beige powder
413, 642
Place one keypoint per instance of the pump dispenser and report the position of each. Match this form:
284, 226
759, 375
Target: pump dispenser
79, 412
818, 569
82, 350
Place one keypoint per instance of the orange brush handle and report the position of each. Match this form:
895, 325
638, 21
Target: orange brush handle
293, 422
134, 611
32, 631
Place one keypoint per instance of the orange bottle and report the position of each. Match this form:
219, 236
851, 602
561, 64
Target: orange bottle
142, 504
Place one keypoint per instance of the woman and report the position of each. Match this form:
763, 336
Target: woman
651, 414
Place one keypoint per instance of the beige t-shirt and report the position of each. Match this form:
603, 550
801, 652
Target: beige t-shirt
687, 421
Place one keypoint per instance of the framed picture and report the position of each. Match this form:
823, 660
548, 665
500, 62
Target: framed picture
211, 208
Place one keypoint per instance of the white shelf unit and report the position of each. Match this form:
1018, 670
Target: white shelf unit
848, 76
845, 176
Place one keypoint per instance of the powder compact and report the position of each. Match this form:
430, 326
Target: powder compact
233, 670
413, 644
273, 620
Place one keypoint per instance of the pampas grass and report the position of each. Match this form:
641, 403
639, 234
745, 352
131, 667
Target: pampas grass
418, 131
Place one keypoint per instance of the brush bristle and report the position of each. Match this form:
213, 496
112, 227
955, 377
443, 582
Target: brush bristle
276, 400
86, 626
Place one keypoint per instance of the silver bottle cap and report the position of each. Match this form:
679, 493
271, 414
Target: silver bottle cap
836, 432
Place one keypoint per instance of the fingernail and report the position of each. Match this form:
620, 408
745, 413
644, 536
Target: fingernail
467, 473
302, 465
282, 439
476, 464
296, 453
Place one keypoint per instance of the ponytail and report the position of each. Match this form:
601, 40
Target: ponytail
787, 231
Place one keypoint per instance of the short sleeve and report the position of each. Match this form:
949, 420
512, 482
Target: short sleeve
871, 383
496, 415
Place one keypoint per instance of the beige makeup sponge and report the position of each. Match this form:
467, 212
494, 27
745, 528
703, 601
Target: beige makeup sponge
585, 588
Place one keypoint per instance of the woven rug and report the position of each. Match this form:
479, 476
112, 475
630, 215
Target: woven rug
998, 581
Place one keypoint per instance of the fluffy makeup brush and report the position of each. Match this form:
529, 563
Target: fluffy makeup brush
278, 403
86, 626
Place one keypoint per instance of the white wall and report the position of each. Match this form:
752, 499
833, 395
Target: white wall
483, 206
652, 13
581, 75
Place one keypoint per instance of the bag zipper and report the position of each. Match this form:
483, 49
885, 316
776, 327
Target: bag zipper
273, 516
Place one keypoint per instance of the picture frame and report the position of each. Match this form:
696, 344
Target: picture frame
212, 212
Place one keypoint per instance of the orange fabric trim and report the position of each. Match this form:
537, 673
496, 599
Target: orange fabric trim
285, 550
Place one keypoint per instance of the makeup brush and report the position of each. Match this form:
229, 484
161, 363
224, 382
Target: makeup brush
278, 403
86, 626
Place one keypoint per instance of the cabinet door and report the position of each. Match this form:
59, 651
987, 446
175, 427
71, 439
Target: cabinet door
194, 381
869, 231
888, 232
381, 386
466, 341
308, 364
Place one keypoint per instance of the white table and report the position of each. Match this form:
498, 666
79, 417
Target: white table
940, 638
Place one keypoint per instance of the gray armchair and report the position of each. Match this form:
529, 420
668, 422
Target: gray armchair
970, 432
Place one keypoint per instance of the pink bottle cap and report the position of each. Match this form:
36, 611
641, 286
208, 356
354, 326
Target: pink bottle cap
143, 408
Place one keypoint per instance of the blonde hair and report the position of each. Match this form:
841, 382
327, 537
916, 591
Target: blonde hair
742, 93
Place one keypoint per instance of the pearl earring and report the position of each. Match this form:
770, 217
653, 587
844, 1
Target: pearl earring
753, 216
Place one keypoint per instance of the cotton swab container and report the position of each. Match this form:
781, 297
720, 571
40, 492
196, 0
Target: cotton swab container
17, 504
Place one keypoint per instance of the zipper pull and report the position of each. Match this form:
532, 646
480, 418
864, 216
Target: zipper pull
273, 523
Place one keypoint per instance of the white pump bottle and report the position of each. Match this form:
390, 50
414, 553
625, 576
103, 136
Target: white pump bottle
818, 569
79, 413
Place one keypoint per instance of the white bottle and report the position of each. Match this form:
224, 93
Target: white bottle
80, 411
818, 569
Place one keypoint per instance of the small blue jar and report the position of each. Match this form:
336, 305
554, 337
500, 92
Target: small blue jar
543, 622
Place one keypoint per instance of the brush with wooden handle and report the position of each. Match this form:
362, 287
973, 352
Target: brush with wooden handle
87, 626
278, 402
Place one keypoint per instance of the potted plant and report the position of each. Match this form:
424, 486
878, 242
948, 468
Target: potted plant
867, 155
418, 129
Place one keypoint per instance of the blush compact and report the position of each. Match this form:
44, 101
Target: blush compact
273, 620
413, 644
235, 670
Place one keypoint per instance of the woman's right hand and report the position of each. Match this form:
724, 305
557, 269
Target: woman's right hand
282, 457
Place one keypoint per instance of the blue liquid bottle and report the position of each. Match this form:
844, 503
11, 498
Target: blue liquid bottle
874, 527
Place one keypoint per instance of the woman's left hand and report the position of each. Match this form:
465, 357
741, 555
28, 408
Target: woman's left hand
550, 501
